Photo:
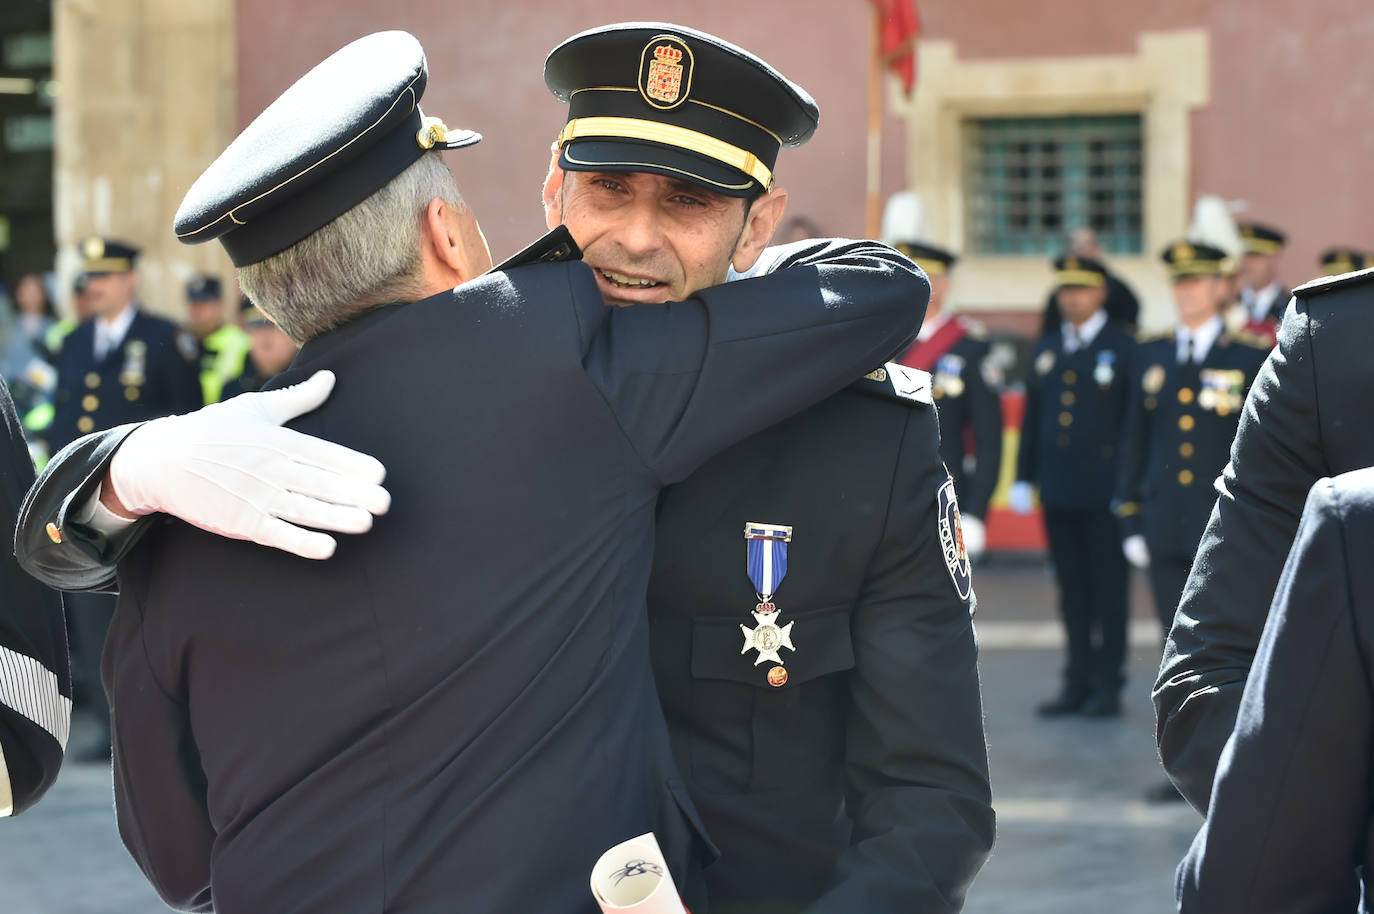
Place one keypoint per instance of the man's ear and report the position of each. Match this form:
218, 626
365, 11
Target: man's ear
444, 245
553, 187
764, 215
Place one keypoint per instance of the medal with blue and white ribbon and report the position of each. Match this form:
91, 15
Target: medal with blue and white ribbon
767, 565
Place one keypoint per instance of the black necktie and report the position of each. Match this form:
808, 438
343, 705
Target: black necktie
1188, 350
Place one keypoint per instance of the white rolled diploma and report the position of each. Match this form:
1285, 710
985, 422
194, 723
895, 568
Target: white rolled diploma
633, 877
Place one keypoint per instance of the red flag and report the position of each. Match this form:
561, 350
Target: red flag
901, 26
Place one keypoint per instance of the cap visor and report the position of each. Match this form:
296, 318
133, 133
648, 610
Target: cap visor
654, 158
457, 139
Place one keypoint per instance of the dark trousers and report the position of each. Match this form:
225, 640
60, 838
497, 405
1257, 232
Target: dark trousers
1092, 573
88, 619
1168, 575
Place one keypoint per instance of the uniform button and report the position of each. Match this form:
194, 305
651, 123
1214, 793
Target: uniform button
1067, 398
92, 380
90, 403
1071, 377
1186, 449
1185, 395
131, 393
1185, 477
54, 534
1223, 409
85, 425
1186, 423
1062, 441
1066, 419
777, 676
1151, 403
936, 392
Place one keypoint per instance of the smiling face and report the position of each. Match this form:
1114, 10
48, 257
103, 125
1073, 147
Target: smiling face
650, 238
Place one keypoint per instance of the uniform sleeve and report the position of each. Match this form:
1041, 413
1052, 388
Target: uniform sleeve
81, 558
1026, 469
1134, 450
688, 379
985, 408
916, 760
1276, 457
159, 784
1291, 800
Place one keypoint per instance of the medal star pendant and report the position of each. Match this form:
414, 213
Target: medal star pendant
767, 638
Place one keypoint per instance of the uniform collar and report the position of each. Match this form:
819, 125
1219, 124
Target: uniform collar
1076, 338
1203, 338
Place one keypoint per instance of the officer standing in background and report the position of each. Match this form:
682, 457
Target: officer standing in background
270, 355
1076, 397
1262, 297
1122, 306
1187, 389
224, 345
967, 389
1344, 260
120, 365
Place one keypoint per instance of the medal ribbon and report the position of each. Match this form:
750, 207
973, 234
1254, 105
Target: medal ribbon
766, 557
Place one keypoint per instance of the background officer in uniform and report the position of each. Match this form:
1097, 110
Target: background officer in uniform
35, 678
623, 422
1262, 297
1076, 397
1290, 817
967, 389
1301, 422
1343, 260
1122, 306
224, 345
1187, 388
270, 355
121, 365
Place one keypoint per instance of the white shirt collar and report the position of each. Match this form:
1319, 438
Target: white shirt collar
114, 330
1263, 300
1203, 338
1076, 338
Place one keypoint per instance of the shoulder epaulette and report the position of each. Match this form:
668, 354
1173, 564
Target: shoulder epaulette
1332, 283
976, 329
897, 382
1246, 338
1154, 337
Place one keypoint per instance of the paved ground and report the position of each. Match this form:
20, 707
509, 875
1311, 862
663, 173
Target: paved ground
1074, 835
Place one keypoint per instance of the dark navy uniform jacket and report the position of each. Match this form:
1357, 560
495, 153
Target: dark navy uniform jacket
1075, 412
457, 711
1179, 428
1291, 814
153, 372
35, 677
861, 783
1306, 417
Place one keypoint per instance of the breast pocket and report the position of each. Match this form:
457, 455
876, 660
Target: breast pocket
753, 731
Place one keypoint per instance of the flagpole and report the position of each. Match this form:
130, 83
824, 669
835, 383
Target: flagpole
875, 123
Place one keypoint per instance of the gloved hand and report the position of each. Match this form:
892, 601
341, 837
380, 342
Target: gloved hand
975, 536
230, 468
1137, 553
1021, 497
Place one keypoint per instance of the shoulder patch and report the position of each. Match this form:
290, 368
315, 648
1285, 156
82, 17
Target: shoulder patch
1332, 283
188, 345
952, 541
897, 382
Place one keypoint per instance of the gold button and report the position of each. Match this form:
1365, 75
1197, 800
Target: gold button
1067, 398
1071, 377
54, 534
1223, 409
85, 425
1186, 449
1185, 477
131, 393
777, 676
1185, 395
1066, 419
90, 403
1186, 423
1150, 403
92, 379
936, 392
1062, 441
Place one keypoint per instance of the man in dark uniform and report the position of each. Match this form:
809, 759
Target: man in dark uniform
1343, 260
536, 613
1262, 297
35, 678
270, 354
223, 345
1122, 307
121, 365
1301, 421
1289, 822
1187, 388
1076, 397
967, 389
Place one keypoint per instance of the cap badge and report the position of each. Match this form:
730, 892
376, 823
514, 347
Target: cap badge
1183, 251
665, 72
431, 133
93, 248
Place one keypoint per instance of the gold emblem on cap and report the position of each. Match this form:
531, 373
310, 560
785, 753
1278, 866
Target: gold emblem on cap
93, 248
777, 676
433, 132
1183, 251
667, 79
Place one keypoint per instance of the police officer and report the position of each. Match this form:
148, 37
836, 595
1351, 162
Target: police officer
1076, 395
1187, 389
120, 365
967, 388
540, 666
270, 355
1122, 306
224, 346
1262, 297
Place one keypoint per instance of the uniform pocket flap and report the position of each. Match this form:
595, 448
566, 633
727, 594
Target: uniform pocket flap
820, 638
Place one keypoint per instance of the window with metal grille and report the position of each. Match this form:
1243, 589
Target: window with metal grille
1031, 180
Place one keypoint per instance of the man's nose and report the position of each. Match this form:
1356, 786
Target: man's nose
641, 228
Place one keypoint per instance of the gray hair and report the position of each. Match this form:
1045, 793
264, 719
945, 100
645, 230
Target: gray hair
366, 257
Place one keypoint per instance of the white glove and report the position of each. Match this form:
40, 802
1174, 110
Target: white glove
230, 468
1021, 497
1137, 553
975, 536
